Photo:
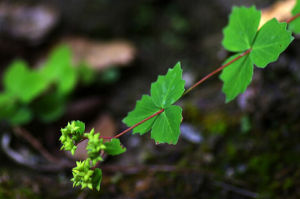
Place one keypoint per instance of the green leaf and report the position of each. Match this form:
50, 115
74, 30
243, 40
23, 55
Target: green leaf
8, 105
50, 107
13, 112
295, 25
143, 109
58, 69
23, 83
164, 92
86, 74
22, 116
266, 45
114, 147
237, 76
67, 80
59, 59
166, 128
97, 178
169, 88
271, 40
241, 30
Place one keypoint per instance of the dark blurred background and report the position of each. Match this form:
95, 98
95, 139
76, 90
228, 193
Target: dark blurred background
248, 148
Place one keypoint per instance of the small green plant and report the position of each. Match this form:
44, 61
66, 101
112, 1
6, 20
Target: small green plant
157, 113
85, 174
41, 92
261, 47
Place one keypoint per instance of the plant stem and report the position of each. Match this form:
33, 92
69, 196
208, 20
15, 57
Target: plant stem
194, 86
216, 71
137, 124
232, 61
293, 18
187, 91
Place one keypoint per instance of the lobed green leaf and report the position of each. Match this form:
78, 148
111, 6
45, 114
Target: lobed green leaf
266, 45
271, 40
236, 77
143, 109
114, 147
164, 92
166, 128
241, 29
168, 88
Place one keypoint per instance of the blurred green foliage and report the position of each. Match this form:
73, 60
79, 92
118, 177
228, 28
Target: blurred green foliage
41, 92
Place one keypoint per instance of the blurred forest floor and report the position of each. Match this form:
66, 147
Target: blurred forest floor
248, 148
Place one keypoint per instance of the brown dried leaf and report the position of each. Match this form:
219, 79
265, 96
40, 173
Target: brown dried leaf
105, 125
101, 55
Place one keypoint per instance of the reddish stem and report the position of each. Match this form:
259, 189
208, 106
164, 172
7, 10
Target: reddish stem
293, 18
195, 85
217, 70
137, 124
232, 61
191, 88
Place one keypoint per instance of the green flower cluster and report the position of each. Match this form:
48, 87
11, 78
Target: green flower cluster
71, 134
95, 145
85, 176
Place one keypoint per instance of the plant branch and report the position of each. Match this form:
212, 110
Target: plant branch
193, 86
216, 71
293, 18
137, 124
229, 63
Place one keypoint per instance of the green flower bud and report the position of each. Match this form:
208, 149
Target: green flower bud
95, 145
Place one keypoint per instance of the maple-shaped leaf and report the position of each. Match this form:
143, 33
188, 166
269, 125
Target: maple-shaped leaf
164, 92
264, 47
271, 40
143, 109
114, 147
241, 29
168, 88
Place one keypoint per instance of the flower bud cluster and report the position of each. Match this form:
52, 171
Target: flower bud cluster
70, 135
85, 174
95, 145
82, 174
